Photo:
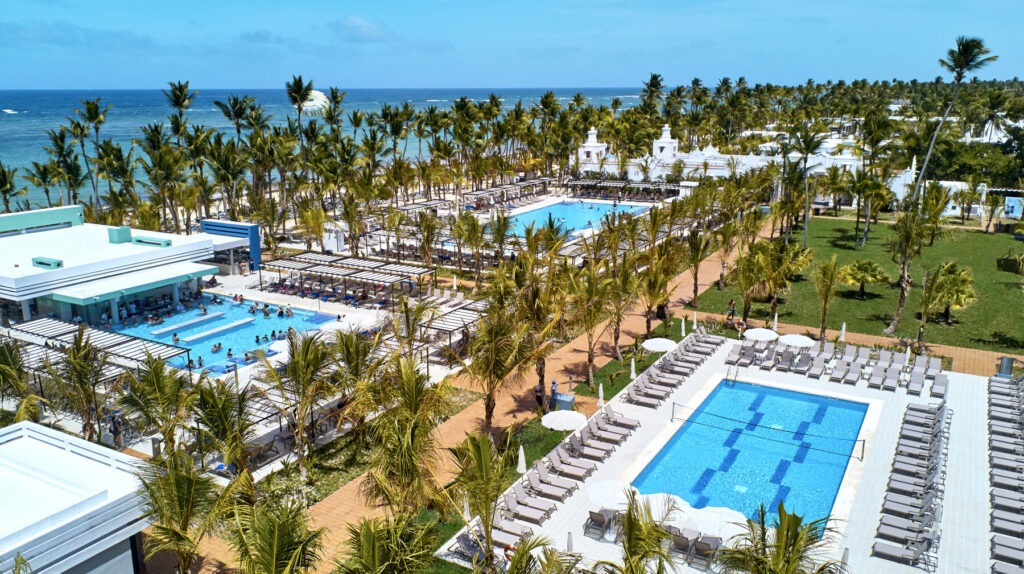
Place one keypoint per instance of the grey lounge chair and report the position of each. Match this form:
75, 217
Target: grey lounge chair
877, 377
598, 522
648, 390
907, 523
523, 497
828, 350
603, 425
934, 367
523, 512
839, 371
802, 364
548, 478
562, 464
1004, 568
902, 535
467, 547
901, 554
502, 538
849, 353
636, 398
683, 540
768, 362
597, 433
513, 527
786, 361
546, 490
852, 377
704, 551
587, 451
1007, 542
616, 419
1010, 504
1009, 527
817, 368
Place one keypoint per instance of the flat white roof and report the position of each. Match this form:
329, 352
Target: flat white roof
79, 245
59, 491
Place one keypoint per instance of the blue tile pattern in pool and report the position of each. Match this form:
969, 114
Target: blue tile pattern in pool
574, 214
229, 324
747, 444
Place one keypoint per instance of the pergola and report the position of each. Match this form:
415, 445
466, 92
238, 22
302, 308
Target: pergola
422, 205
123, 350
462, 318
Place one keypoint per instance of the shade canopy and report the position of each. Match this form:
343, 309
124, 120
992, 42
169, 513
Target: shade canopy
563, 420
760, 334
801, 341
659, 345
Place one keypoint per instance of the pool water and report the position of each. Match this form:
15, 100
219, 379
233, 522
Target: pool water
575, 215
748, 444
237, 331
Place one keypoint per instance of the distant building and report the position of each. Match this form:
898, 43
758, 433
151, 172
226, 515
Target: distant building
68, 505
593, 158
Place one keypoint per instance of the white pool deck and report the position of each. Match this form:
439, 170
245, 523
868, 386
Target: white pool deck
963, 545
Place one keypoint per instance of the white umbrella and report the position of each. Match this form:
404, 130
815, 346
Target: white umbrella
760, 334
906, 359
842, 333
609, 492
800, 341
568, 542
563, 420
694, 320
775, 323
632, 369
682, 327
521, 467
600, 395
455, 282
659, 345
465, 508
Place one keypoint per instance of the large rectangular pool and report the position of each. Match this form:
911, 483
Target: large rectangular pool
573, 214
749, 444
227, 323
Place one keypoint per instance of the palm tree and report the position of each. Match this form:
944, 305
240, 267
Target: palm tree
862, 272
481, 477
782, 263
409, 319
184, 504
307, 379
806, 143
236, 110
92, 117
786, 545
643, 538
825, 277
42, 175
969, 55
8, 189
180, 98
160, 398
14, 382
905, 245
225, 417
936, 198
621, 296
79, 373
402, 472
312, 224
535, 555
994, 205
273, 537
589, 294
699, 246
392, 545
298, 93
653, 284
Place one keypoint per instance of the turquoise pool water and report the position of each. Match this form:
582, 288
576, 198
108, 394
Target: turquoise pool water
574, 214
226, 323
747, 444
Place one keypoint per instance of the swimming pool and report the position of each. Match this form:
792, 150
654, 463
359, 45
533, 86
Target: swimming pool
574, 214
747, 444
226, 323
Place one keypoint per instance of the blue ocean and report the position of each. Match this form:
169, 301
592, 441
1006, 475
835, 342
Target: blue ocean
27, 115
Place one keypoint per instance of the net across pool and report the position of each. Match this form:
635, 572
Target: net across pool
226, 323
573, 214
749, 444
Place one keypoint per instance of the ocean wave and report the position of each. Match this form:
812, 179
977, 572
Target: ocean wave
436, 100
8, 111
632, 96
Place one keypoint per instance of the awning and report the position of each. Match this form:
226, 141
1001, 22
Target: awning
131, 283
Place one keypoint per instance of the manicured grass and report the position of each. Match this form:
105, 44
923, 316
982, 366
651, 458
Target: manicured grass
994, 322
536, 440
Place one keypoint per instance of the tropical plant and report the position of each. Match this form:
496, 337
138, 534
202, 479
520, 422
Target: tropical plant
392, 545
825, 277
273, 537
698, 247
15, 382
905, 245
862, 272
77, 376
225, 418
481, 479
806, 142
159, 398
589, 293
785, 545
994, 205
642, 536
8, 189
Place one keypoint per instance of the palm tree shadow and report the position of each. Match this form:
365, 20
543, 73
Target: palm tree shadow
844, 238
852, 295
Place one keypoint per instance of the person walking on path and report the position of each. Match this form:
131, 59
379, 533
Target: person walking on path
538, 394
115, 429
731, 313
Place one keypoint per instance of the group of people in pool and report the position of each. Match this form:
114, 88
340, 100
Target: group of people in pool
218, 346
282, 310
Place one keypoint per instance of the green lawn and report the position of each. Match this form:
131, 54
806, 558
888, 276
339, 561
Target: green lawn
994, 322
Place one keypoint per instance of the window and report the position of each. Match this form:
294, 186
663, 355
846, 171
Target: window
661, 149
588, 155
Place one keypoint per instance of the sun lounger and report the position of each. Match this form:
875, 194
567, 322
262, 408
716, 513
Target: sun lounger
599, 423
902, 535
828, 350
546, 490
522, 497
1007, 542
933, 368
598, 522
557, 481
839, 371
852, 377
746, 357
802, 364
1007, 482
784, 363
650, 391
922, 501
592, 452
884, 358
704, 551
619, 420
524, 512
849, 353
904, 555
1004, 568
468, 548
591, 433
907, 523
876, 377
768, 362
565, 466
817, 368
633, 396
1010, 504
1010, 527
734, 356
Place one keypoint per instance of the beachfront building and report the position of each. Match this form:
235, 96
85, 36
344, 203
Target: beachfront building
70, 506
53, 263
594, 159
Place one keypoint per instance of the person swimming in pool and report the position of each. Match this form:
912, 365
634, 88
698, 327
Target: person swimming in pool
230, 354
216, 348
257, 339
266, 339
175, 338
200, 361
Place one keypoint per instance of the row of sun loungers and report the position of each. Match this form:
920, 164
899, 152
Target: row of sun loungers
658, 382
1006, 462
911, 510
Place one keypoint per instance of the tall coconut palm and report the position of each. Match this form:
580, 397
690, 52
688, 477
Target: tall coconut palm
184, 504
806, 143
862, 272
969, 55
79, 373
8, 187
402, 472
180, 97
225, 417
15, 382
273, 537
621, 297
589, 294
299, 93
91, 116
825, 277
236, 110
785, 545
391, 545
160, 398
41, 175
312, 224
308, 378
906, 243
481, 478
698, 247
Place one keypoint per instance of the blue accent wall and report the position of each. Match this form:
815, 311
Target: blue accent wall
237, 229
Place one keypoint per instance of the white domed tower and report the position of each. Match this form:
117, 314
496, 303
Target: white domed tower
665, 148
591, 152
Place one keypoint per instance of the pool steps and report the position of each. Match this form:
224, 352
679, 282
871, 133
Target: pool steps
189, 323
217, 330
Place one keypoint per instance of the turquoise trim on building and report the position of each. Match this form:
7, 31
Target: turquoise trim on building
26, 221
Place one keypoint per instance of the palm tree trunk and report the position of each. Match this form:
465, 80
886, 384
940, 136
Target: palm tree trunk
902, 300
931, 144
616, 331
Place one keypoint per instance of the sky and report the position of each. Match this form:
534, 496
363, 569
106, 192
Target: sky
114, 44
